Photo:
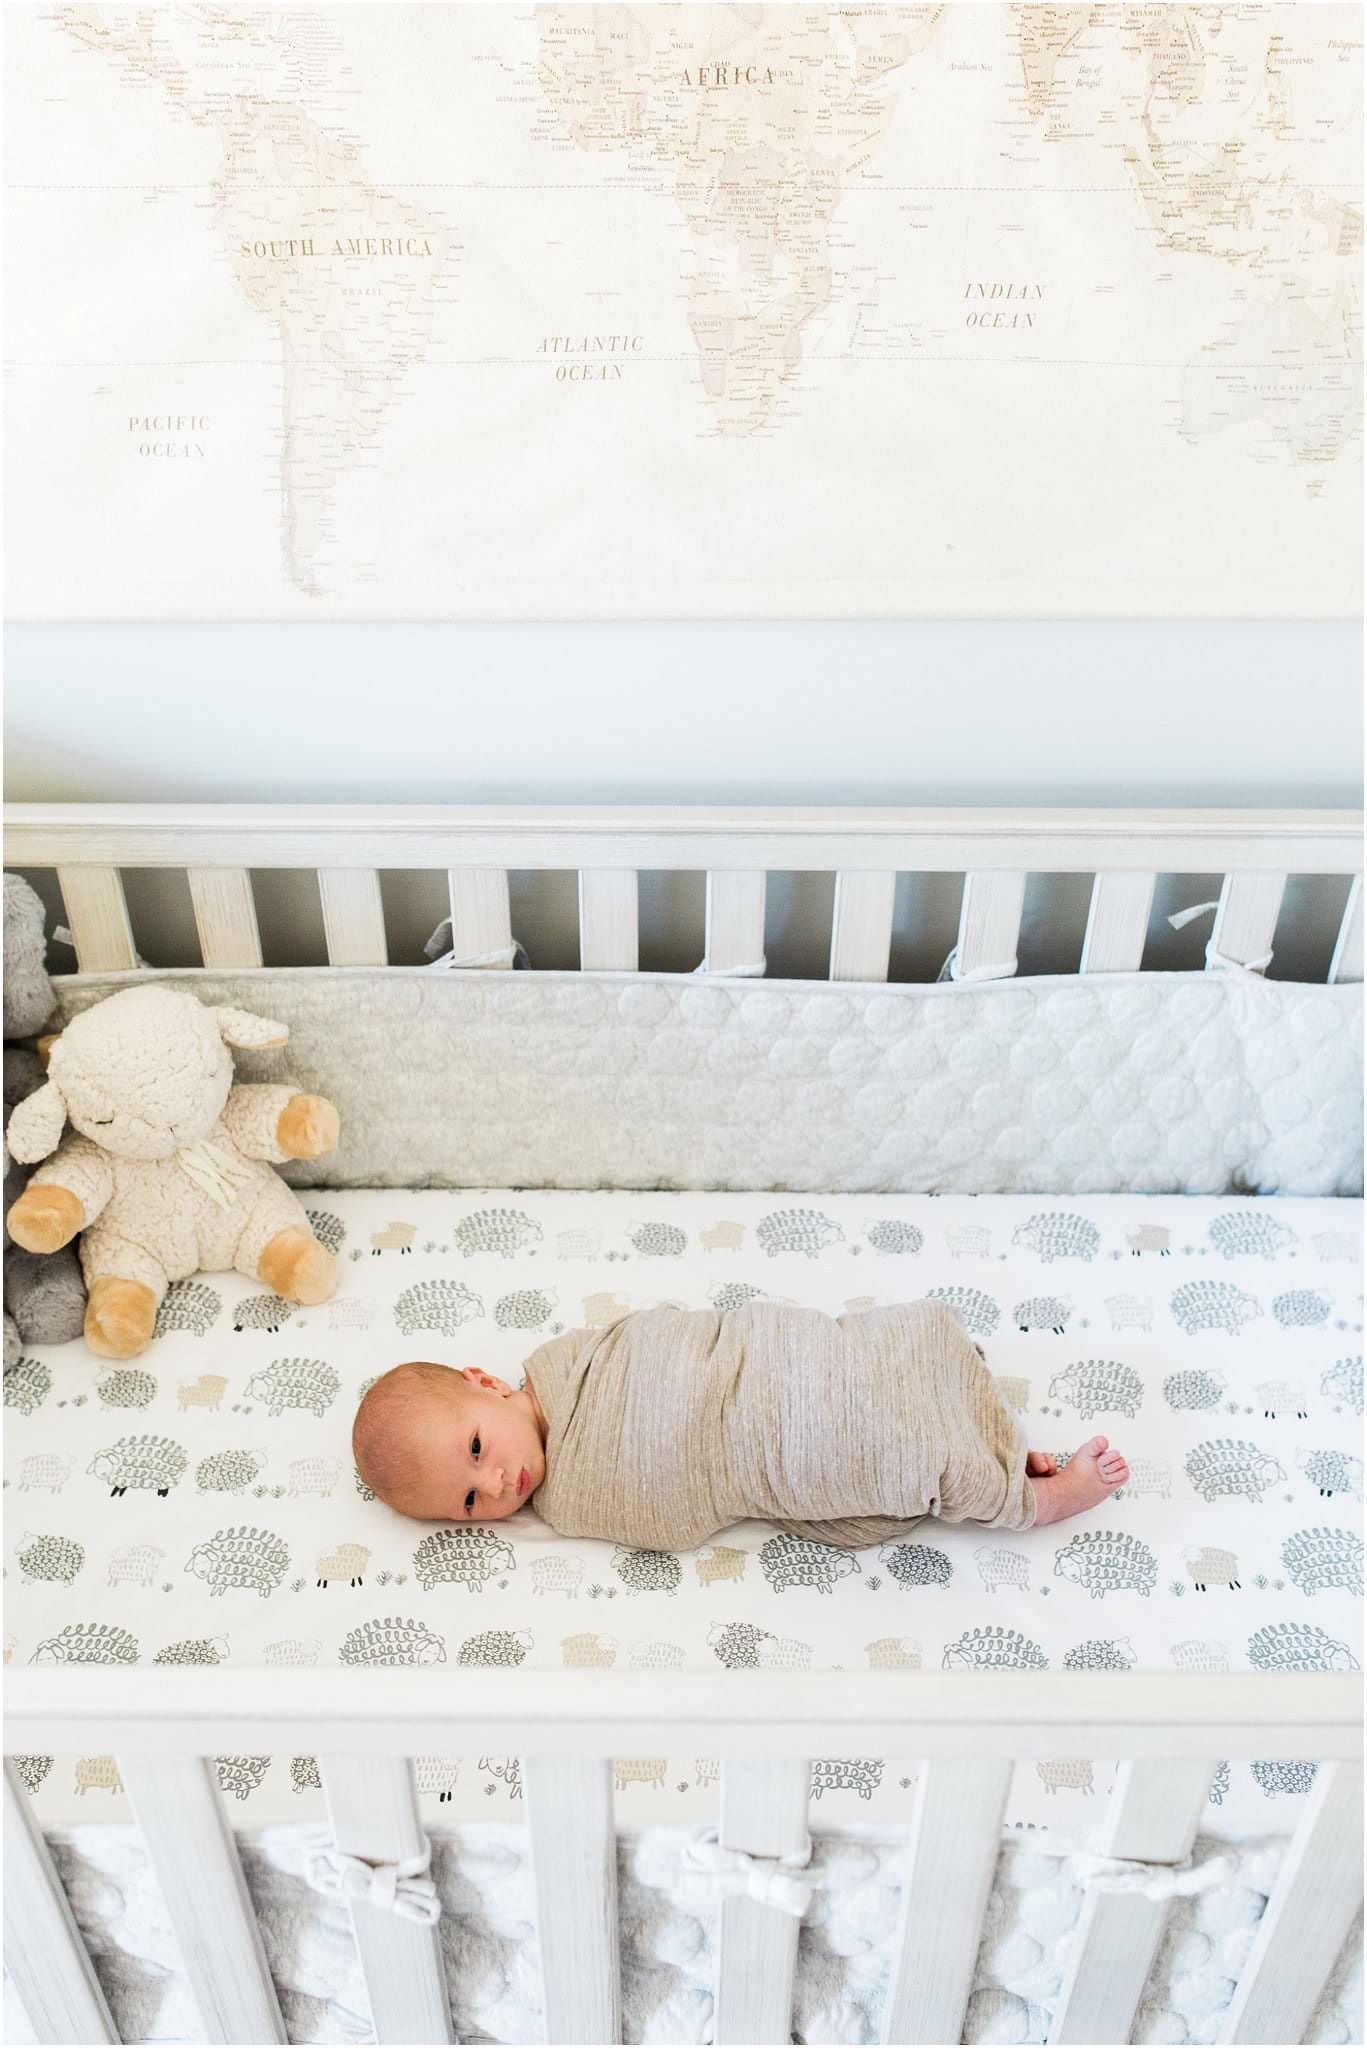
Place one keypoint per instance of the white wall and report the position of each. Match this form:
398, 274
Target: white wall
993, 712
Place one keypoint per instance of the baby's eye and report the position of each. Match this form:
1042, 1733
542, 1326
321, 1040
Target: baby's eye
470, 1497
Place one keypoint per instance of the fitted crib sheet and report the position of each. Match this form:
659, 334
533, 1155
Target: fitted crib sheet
200, 1505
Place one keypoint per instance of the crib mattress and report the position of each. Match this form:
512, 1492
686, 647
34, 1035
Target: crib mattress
1218, 1341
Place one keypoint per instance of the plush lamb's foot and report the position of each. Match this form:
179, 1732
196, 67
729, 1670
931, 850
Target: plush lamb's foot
45, 1217
1091, 1475
295, 1265
119, 1318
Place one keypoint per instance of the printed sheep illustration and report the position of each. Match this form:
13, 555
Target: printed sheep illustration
528, 1309
329, 1230
1054, 1234
1104, 1562
188, 1305
1208, 1567
1302, 1309
468, 1556
796, 1230
969, 1241
97, 1774
88, 1642
1040, 1312
1098, 1386
228, 1471
1317, 1560
392, 1640
293, 1653
45, 1472
977, 1311
659, 1240
861, 1774
1212, 1305
720, 1561
395, 1237
262, 1312
1129, 1312
1229, 1465
1065, 1774
1147, 1476
737, 1644
916, 1564
722, 1237
657, 1656
137, 1564
578, 1244
27, 1385
31, 1770
893, 1653
502, 1231
557, 1575
351, 1312
1013, 1390
994, 1649
126, 1387
1333, 1245
588, 1651
1249, 1234
785, 1653
1102, 1653
1298, 1646
1343, 1382
1199, 1389
1293, 1775
894, 1239
443, 1306
735, 1294
639, 1770
1149, 1237
647, 1571
145, 1463
348, 1561
52, 1560
314, 1478
1331, 1472
1196, 1654
305, 1383
252, 1559
205, 1392
361, 1486
495, 1647
788, 1560
1280, 1395
194, 1650
437, 1774
1002, 1568
240, 1775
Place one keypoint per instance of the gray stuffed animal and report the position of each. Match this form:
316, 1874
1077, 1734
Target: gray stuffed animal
44, 1297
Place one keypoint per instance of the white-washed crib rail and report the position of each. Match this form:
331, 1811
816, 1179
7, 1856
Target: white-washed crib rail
736, 848
964, 1727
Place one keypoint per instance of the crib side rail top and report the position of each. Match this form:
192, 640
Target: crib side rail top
866, 849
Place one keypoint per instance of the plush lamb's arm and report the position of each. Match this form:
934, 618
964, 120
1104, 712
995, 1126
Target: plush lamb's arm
269, 1122
66, 1194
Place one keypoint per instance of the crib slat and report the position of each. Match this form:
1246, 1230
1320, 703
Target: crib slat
98, 917
374, 1811
951, 1854
989, 924
764, 1812
1346, 964
1117, 923
861, 924
1246, 916
480, 920
734, 919
609, 920
353, 917
44, 1953
1152, 1817
179, 1810
574, 1867
1317, 1895
225, 914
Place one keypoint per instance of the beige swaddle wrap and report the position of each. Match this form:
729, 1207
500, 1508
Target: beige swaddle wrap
671, 1424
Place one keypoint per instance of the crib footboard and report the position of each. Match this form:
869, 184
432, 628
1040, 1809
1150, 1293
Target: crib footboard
966, 1728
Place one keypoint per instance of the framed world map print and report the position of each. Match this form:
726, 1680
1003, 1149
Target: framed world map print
719, 311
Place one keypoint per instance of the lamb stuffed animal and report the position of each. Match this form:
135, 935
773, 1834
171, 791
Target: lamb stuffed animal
44, 1298
166, 1175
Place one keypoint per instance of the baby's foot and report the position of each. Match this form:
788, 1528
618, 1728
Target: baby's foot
1091, 1475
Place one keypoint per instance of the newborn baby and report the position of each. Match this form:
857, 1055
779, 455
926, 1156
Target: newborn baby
669, 1425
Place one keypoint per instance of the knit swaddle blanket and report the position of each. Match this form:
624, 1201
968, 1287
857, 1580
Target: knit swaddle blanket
671, 1424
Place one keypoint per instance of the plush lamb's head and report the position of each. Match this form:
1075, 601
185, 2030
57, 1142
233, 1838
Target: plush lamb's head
141, 1074
28, 992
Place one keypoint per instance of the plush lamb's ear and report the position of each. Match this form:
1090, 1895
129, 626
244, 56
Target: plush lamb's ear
35, 1126
241, 1028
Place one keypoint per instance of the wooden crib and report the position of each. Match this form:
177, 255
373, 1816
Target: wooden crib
166, 1726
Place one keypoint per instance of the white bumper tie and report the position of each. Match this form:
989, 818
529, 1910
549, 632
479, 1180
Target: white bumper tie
1214, 957
1150, 1881
714, 1872
403, 1888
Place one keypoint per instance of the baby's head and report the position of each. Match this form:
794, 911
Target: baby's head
448, 1446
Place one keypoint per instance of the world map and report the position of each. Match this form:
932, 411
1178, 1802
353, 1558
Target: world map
684, 311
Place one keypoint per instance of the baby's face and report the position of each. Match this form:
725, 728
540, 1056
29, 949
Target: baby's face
474, 1452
